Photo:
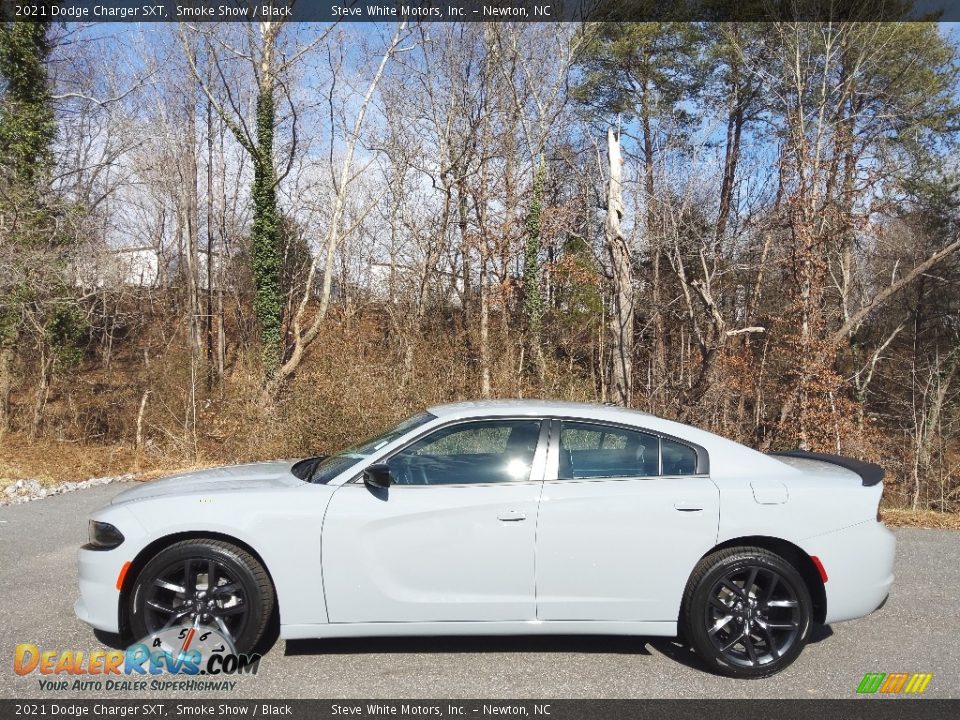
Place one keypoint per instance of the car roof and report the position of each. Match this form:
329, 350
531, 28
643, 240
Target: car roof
532, 407
726, 456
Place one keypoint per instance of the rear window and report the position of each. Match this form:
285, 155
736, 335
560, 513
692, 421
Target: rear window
678, 459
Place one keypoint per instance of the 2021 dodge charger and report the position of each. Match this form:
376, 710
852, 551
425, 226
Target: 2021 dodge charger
504, 517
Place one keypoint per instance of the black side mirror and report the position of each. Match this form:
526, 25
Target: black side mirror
377, 476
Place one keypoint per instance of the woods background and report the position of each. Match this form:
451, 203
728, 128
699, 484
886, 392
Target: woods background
234, 241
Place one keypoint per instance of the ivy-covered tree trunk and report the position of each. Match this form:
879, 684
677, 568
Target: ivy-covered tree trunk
266, 250
27, 127
27, 132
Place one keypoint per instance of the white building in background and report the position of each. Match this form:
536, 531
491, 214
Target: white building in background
139, 267
377, 281
142, 267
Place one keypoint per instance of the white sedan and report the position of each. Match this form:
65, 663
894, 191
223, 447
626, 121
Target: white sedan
503, 518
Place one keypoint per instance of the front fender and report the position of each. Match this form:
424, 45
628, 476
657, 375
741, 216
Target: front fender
281, 527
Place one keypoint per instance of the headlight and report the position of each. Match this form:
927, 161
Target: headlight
102, 536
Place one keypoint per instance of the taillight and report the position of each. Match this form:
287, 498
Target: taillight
820, 569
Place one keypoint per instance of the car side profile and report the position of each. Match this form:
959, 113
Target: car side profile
503, 518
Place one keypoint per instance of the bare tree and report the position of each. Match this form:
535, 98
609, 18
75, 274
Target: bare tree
304, 335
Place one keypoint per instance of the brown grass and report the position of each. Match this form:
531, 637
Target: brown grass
900, 517
52, 462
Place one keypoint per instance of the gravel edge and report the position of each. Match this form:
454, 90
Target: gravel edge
23, 491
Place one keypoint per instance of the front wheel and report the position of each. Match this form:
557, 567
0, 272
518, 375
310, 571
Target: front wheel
746, 612
203, 582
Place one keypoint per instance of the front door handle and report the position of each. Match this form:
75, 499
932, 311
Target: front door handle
688, 506
511, 516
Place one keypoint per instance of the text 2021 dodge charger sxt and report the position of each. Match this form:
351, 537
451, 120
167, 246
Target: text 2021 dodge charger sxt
504, 517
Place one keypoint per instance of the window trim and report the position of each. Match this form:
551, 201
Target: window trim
538, 465
553, 459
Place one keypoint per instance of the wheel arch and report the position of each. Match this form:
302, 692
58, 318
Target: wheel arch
793, 554
161, 543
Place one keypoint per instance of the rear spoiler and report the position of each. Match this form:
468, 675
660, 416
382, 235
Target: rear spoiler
871, 473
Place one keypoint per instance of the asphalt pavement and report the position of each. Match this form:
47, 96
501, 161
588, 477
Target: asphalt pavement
917, 631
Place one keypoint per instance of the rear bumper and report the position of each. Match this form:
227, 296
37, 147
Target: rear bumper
859, 564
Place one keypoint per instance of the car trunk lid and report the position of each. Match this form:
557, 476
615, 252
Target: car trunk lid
837, 465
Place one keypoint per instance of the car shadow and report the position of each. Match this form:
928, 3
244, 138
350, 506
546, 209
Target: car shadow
674, 648
680, 652
471, 644
819, 632
111, 640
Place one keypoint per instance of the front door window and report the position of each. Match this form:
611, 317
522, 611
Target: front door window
490, 451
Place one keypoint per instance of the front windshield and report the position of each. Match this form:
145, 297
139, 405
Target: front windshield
330, 467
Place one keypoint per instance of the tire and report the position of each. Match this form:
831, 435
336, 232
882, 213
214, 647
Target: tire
746, 612
174, 587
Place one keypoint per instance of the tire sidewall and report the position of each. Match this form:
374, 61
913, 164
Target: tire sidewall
199, 550
695, 629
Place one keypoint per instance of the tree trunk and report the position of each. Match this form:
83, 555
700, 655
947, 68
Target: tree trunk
191, 220
210, 244
42, 393
930, 424
484, 325
657, 351
140, 415
532, 297
467, 270
621, 317
6, 387
267, 260
735, 120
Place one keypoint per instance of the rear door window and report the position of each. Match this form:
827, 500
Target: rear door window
601, 451
591, 450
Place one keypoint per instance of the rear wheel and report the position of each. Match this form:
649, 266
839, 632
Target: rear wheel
746, 612
208, 583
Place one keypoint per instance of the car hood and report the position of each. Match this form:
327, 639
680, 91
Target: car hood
255, 476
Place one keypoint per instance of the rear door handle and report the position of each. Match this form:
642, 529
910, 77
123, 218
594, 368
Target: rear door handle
688, 506
511, 516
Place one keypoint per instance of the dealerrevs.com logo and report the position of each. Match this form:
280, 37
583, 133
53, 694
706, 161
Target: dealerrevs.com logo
179, 651
894, 683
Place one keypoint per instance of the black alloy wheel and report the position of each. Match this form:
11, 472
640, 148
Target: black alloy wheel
747, 612
203, 583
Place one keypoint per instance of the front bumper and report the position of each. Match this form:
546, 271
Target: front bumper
859, 565
99, 602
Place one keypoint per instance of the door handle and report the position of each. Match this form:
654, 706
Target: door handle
511, 516
688, 506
